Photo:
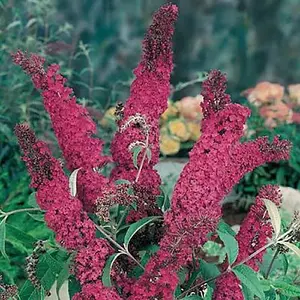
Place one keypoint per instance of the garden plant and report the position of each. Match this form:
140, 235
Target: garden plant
119, 236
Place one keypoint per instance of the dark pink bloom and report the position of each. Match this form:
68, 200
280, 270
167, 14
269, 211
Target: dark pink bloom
217, 162
72, 125
228, 288
90, 261
148, 97
96, 291
256, 228
64, 213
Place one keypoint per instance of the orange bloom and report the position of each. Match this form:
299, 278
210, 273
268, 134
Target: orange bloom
264, 93
189, 107
279, 112
294, 92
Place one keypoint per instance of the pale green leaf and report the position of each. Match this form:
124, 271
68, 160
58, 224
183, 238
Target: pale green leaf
248, 277
32, 200
287, 289
135, 153
231, 246
106, 279
274, 216
122, 181
73, 182
292, 247
135, 227
149, 154
3, 238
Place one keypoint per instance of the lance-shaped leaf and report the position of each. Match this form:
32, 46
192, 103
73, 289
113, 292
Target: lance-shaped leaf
248, 277
106, 280
73, 182
2, 238
135, 227
135, 153
292, 247
231, 246
274, 216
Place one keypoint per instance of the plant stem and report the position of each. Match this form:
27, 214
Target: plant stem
121, 249
271, 263
143, 160
226, 271
6, 214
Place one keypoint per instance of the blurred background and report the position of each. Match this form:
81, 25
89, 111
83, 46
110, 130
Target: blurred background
98, 43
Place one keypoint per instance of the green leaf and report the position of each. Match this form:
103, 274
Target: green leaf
53, 264
73, 182
3, 238
248, 295
192, 297
106, 280
290, 290
206, 271
292, 247
135, 227
274, 216
122, 181
224, 227
249, 278
45, 274
38, 217
231, 246
149, 154
135, 153
29, 292
63, 276
32, 200
16, 236
285, 263
163, 200
73, 286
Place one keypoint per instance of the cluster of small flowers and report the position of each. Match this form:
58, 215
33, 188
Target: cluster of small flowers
217, 162
32, 261
7, 291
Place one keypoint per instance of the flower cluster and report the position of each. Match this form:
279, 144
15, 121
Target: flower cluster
253, 234
148, 98
72, 126
274, 105
64, 213
217, 162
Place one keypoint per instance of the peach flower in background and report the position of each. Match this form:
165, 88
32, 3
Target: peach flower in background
189, 107
294, 92
264, 92
279, 112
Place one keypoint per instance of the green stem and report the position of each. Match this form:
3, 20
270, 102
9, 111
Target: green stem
121, 249
271, 263
229, 269
6, 214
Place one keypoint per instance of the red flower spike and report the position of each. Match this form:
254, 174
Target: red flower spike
217, 163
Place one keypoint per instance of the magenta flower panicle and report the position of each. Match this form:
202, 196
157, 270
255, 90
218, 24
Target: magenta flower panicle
217, 163
64, 213
72, 125
253, 235
148, 100
256, 228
